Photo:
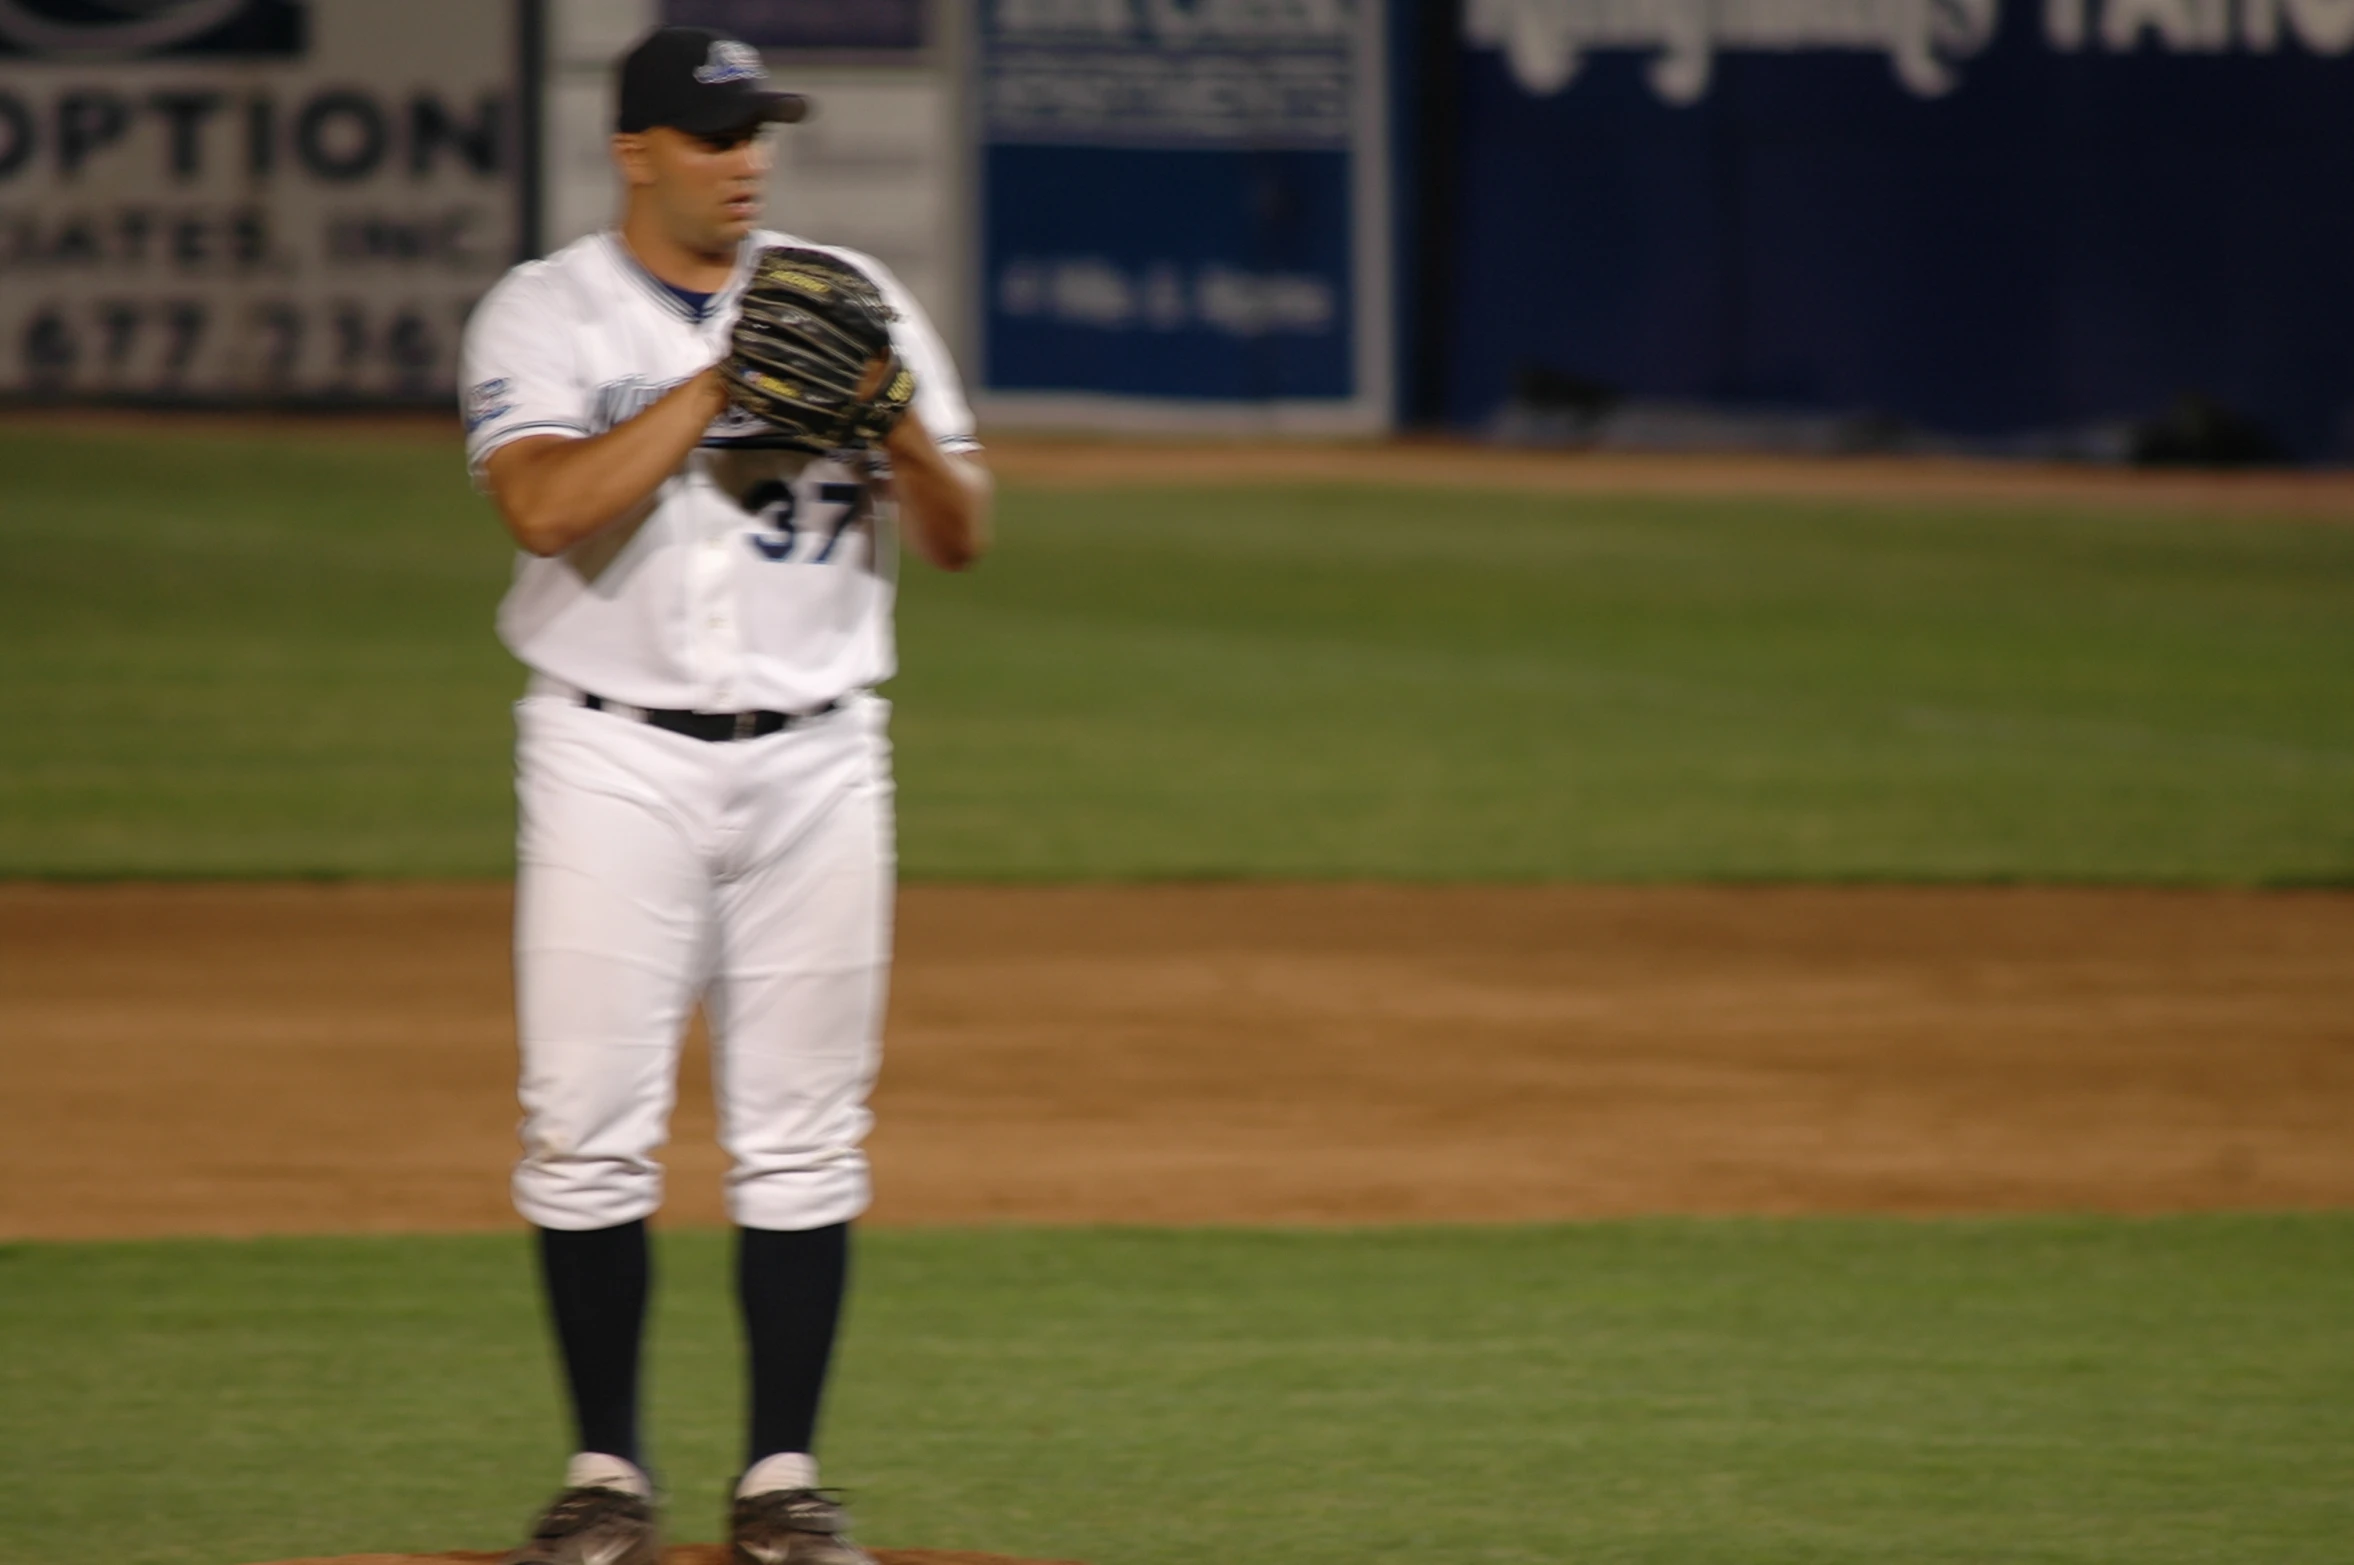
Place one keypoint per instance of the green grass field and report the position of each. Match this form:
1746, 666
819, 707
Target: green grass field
230, 656
237, 657
1809, 1392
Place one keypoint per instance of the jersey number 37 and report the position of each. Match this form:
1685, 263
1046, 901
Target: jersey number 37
812, 525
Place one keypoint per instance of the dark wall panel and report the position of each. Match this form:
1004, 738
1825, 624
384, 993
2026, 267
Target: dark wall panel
2062, 238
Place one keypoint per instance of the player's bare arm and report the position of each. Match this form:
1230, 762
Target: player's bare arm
554, 491
944, 497
692, 200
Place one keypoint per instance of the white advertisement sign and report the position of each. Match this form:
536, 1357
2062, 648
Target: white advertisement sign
251, 199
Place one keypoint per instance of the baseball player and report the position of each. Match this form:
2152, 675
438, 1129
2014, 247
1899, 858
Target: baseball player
703, 779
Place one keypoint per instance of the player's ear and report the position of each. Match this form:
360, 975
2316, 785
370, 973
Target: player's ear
633, 158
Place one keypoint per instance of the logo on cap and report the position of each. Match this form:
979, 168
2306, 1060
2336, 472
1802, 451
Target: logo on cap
730, 61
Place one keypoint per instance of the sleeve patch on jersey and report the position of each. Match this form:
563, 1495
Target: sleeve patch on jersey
486, 400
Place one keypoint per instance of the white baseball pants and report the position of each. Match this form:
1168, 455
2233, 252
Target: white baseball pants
654, 870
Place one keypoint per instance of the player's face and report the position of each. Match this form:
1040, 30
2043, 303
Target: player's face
706, 188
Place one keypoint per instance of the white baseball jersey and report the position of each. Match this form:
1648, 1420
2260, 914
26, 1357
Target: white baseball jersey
758, 578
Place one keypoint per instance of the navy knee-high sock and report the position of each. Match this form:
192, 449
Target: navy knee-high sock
596, 1284
790, 1286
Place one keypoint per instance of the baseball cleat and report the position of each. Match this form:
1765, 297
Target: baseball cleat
792, 1527
592, 1526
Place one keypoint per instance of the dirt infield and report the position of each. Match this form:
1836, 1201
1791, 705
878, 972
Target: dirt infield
241, 1059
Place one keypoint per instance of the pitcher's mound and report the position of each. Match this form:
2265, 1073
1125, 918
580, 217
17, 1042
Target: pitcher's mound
686, 1554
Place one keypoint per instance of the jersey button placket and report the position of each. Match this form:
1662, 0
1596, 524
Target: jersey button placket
723, 644
711, 600
727, 631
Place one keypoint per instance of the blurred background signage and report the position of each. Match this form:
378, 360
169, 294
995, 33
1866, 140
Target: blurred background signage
1926, 43
1182, 213
878, 167
250, 198
2032, 227
2027, 228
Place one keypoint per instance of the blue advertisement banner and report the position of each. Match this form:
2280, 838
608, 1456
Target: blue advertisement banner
855, 25
1180, 203
1983, 216
1229, 282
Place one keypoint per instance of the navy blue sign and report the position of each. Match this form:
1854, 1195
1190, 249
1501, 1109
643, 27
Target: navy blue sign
92, 30
1173, 199
1982, 217
807, 24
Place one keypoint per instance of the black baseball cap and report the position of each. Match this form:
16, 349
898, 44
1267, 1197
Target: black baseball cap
701, 82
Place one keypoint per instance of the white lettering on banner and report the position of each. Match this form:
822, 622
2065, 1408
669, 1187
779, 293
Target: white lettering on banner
2180, 26
1248, 304
1196, 21
1079, 292
1056, 96
2324, 27
1049, 18
2063, 23
1545, 41
1089, 291
1181, 23
1260, 73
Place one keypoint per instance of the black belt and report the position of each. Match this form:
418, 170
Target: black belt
711, 727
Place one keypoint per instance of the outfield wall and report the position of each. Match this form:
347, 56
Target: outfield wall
1987, 218
2025, 223
1979, 215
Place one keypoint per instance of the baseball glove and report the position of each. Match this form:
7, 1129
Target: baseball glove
811, 355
